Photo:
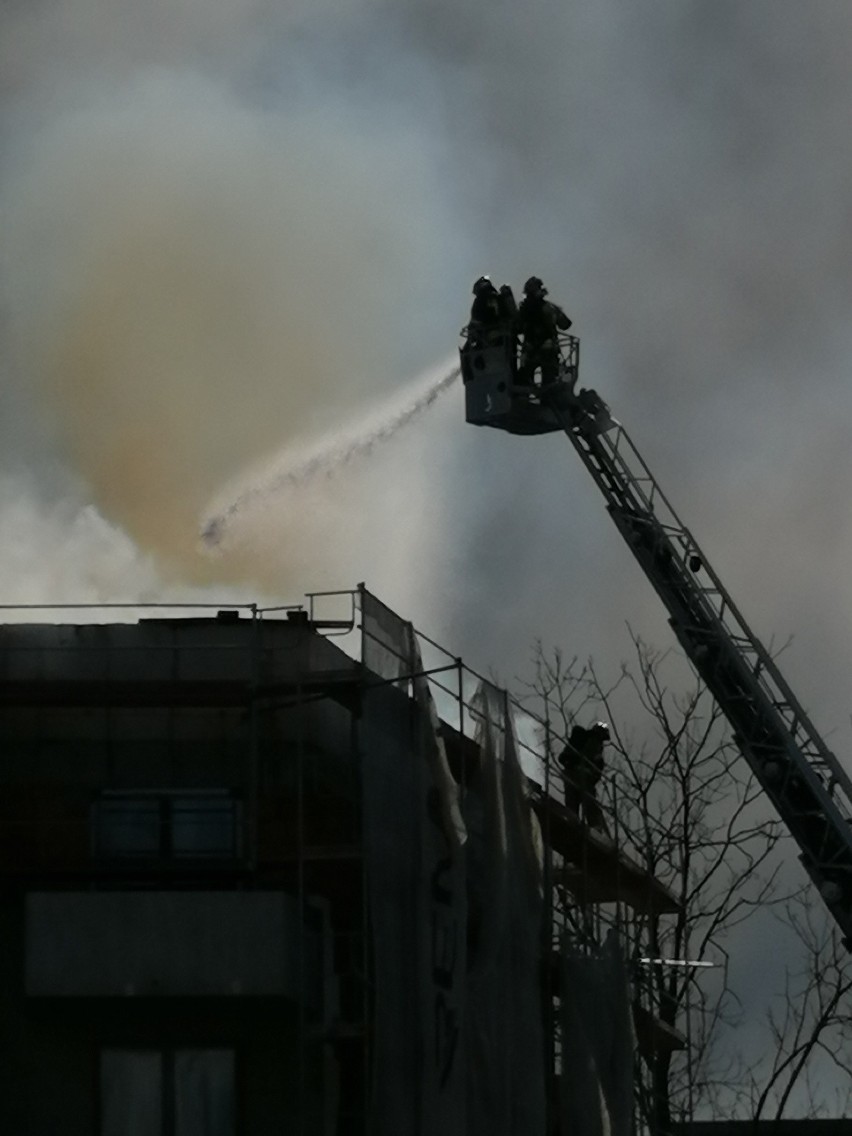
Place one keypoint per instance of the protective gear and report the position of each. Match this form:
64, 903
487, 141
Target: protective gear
542, 356
582, 764
492, 314
487, 309
539, 319
508, 304
539, 322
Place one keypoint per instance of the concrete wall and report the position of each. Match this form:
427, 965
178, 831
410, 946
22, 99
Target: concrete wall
170, 943
164, 650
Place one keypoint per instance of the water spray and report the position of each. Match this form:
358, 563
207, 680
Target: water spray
330, 456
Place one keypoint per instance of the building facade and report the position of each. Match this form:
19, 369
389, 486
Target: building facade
257, 880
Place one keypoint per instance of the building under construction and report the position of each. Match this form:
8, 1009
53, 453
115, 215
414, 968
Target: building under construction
300, 870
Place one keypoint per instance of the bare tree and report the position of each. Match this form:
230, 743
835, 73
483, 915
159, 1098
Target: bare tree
811, 1029
685, 805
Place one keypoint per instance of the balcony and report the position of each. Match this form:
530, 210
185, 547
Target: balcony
156, 944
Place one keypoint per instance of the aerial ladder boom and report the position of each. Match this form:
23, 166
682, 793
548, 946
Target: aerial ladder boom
809, 788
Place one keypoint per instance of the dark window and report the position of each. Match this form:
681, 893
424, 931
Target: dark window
182, 1092
203, 827
204, 1092
171, 826
131, 1093
128, 826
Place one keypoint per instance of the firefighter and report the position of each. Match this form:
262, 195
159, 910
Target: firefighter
485, 310
508, 304
582, 762
492, 311
539, 322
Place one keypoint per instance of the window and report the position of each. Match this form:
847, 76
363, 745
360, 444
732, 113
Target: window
166, 827
202, 827
128, 827
183, 1092
131, 1093
204, 1092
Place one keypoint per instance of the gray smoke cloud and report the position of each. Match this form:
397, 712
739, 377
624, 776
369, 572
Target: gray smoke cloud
229, 227
226, 209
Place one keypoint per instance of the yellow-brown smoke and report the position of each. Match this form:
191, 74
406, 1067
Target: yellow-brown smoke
194, 284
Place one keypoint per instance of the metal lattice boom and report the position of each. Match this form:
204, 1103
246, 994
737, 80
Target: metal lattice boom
807, 785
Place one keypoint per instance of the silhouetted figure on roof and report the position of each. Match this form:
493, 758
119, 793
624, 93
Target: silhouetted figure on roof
582, 762
539, 323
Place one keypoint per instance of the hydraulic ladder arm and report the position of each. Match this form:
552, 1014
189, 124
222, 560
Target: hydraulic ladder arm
807, 785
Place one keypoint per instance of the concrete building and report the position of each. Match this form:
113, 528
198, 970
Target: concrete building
258, 881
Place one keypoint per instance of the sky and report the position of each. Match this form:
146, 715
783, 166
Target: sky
233, 228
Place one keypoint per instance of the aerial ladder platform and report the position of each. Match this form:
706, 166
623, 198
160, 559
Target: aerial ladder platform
807, 785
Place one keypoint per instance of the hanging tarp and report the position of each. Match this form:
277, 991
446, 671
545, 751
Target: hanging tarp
414, 838
443, 923
391, 791
455, 898
597, 1042
385, 639
504, 1031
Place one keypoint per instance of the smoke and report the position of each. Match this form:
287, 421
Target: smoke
194, 282
229, 230
54, 552
327, 458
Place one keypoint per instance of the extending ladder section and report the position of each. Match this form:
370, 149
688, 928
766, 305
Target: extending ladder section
808, 786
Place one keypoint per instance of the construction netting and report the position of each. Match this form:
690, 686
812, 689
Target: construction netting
456, 910
414, 843
504, 1028
598, 1044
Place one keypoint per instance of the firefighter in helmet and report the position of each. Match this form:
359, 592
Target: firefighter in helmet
492, 311
582, 762
539, 322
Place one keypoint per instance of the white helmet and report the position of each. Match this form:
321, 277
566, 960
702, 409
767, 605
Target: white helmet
483, 284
